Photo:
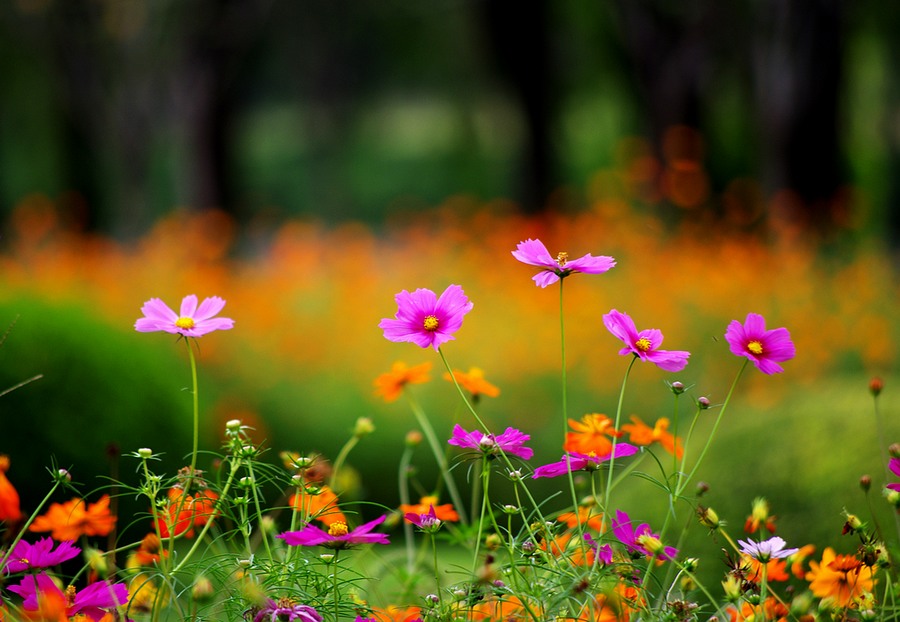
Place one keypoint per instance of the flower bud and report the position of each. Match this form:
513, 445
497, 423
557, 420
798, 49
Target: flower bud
876, 384
677, 387
865, 482
492, 542
413, 438
203, 590
708, 517
364, 427
145, 453
703, 403
63, 476
233, 425
327, 557
702, 488
515, 476
510, 509
894, 450
432, 598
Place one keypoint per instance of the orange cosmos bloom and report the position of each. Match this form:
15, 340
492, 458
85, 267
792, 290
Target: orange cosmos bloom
390, 385
798, 558
759, 517
74, 518
773, 610
9, 498
392, 613
443, 512
586, 516
319, 503
642, 434
474, 382
842, 578
776, 569
183, 513
592, 434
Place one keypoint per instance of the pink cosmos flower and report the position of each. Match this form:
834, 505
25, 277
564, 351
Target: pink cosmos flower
640, 539
534, 253
92, 601
894, 466
603, 552
575, 461
285, 609
193, 321
644, 344
25, 556
511, 442
766, 348
429, 522
337, 536
773, 548
425, 319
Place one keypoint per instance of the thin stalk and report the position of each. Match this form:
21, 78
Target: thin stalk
612, 458
403, 484
439, 455
30, 520
196, 403
259, 516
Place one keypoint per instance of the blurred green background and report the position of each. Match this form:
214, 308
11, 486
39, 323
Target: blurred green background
307, 160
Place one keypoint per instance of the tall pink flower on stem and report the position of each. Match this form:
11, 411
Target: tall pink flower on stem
511, 441
644, 344
765, 348
337, 536
640, 539
192, 321
93, 601
534, 253
41, 554
575, 461
426, 320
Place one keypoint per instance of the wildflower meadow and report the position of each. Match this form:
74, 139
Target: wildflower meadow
530, 422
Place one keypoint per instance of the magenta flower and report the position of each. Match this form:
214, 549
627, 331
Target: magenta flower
894, 466
575, 461
766, 348
337, 536
640, 539
534, 253
603, 552
93, 601
644, 344
429, 522
25, 556
425, 319
286, 610
511, 442
191, 322
773, 548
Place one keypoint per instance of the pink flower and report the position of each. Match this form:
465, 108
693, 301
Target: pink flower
511, 442
640, 539
191, 322
429, 523
425, 319
766, 348
288, 610
337, 536
25, 556
92, 601
575, 461
644, 344
534, 253
894, 466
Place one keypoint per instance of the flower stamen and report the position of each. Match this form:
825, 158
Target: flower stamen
431, 323
755, 347
643, 344
186, 323
338, 528
561, 258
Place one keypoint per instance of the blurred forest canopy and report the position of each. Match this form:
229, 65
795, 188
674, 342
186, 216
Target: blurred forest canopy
122, 110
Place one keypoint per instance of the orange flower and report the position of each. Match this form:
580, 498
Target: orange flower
642, 434
759, 517
592, 434
319, 503
776, 569
798, 558
842, 578
9, 498
148, 553
773, 610
443, 512
586, 516
183, 513
392, 613
474, 382
72, 519
390, 385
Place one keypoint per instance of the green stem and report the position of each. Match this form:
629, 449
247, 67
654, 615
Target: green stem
706, 447
403, 484
259, 516
337, 600
30, 520
439, 455
341, 458
612, 459
196, 404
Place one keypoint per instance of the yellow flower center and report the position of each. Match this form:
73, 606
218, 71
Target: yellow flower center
755, 347
650, 543
561, 258
185, 322
431, 323
643, 344
338, 528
